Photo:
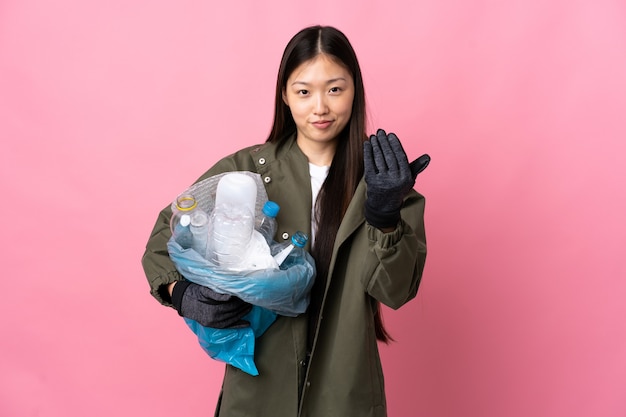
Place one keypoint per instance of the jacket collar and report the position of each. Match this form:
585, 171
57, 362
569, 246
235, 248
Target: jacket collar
270, 152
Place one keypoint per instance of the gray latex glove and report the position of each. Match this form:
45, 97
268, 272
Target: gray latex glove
209, 308
389, 178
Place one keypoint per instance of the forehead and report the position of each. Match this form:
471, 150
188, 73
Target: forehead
321, 67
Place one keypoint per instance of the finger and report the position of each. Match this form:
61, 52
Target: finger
377, 151
368, 158
400, 156
419, 164
238, 310
389, 157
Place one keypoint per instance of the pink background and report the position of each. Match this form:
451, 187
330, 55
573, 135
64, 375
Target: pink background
108, 109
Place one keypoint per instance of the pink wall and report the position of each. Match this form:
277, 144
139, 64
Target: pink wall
108, 109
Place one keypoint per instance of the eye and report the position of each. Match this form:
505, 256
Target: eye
335, 90
302, 92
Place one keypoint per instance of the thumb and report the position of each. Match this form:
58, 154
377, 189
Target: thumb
419, 165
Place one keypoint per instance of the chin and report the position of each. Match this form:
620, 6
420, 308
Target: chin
327, 138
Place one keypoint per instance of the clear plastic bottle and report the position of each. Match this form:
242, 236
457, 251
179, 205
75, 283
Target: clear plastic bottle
199, 228
238, 189
291, 250
180, 221
230, 231
267, 225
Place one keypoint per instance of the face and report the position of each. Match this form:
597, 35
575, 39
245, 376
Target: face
319, 94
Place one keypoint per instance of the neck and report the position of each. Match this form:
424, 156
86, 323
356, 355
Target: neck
318, 153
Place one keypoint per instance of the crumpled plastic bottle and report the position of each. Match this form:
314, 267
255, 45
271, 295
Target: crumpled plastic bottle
292, 249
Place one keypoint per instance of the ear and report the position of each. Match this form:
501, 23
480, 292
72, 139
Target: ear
285, 98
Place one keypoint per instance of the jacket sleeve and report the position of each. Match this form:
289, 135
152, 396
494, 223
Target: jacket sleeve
395, 261
158, 267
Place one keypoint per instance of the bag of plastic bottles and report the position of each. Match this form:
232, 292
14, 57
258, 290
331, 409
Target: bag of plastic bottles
270, 289
284, 290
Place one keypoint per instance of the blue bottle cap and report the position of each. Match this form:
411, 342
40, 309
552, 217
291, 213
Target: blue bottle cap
299, 239
271, 209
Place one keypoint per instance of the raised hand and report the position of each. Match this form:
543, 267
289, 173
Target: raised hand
389, 178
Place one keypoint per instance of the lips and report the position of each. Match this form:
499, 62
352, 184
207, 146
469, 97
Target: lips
322, 124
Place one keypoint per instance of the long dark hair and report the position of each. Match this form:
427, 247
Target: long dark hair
346, 168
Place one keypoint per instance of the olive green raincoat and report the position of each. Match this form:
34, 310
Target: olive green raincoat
342, 375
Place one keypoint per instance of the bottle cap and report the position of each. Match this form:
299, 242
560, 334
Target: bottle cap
299, 239
271, 209
185, 219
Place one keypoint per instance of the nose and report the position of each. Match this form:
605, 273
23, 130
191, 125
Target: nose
319, 106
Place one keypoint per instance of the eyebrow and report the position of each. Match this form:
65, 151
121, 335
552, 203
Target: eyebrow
327, 82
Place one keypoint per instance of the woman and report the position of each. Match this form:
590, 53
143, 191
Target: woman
354, 197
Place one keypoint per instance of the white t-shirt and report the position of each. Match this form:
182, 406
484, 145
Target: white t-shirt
318, 175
